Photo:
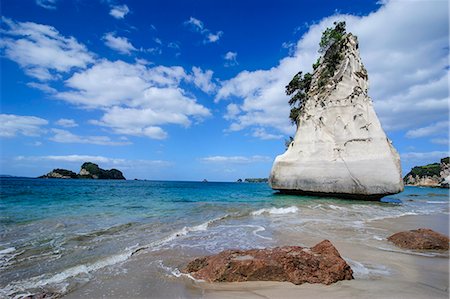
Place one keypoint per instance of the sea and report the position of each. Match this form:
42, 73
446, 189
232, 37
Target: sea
62, 237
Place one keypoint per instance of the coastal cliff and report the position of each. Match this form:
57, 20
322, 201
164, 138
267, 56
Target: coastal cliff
431, 175
88, 170
340, 148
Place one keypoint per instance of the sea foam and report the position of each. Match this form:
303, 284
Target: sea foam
275, 211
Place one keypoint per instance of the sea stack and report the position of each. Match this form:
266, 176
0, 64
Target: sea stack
340, 148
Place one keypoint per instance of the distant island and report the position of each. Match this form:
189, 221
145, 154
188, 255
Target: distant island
431, 175
253, 180
88, 170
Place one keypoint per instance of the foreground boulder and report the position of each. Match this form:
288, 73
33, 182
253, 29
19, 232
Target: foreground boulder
319, 264
340, 148
421, 239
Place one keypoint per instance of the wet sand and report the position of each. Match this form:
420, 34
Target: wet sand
381, 270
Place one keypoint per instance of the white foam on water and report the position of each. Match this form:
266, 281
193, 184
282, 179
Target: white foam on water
275, 211
438, 202
257, 229
366, 270
176, 272
20, 288
378, 238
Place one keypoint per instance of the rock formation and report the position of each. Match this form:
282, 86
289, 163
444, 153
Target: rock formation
431, 175
88, 171
421, 239
59, 173
319, 264
340, 148
92, 171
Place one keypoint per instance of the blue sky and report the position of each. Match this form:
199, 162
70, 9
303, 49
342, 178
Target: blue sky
186, 90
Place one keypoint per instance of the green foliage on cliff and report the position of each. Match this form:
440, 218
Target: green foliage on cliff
331, 44
93, 172
445, 160
298, 88
427, 170
97, 172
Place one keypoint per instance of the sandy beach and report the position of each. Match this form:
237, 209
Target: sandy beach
380, 269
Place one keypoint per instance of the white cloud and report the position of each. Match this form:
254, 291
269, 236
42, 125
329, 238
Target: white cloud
414, 156
407, 72
41, 50
119, 11
47, 4
203, 80
198, 26
118, 43
66, 123
136, 99
436, 128
233, 111
42, 87
114, 162
212, 38
230, 59
12, 125
236, 159
261, 133
442, 141
64, 136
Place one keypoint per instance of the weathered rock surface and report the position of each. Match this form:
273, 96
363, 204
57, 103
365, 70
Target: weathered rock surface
431, 175
340, 148
319, 264
421, 239
59, 173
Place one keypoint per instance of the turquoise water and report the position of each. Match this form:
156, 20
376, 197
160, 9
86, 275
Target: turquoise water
54, 232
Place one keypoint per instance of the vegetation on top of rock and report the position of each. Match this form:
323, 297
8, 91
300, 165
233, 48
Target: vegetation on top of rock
299, 86
91, 170
60, 173
427, 170
88, 170
445, 160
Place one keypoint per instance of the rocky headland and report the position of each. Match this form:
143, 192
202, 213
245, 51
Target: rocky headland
88, 170
340, 148
431, 175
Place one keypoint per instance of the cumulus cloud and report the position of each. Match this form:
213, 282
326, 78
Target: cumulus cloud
47, 4
41, 50
66, 123
436, 128
119, 11
197, 26
12, 125
64, 136
136, 99
407, 72
236, 159
230, 59
203, 80
118, 43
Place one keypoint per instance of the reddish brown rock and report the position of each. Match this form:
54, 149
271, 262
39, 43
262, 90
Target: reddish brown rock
319, 264
422, 238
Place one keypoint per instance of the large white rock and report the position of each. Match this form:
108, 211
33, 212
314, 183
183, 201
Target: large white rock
339, 148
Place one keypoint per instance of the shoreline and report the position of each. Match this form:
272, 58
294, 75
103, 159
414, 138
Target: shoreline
385, 272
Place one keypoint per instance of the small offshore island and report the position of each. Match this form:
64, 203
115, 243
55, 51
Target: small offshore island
432, 175
88, 170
